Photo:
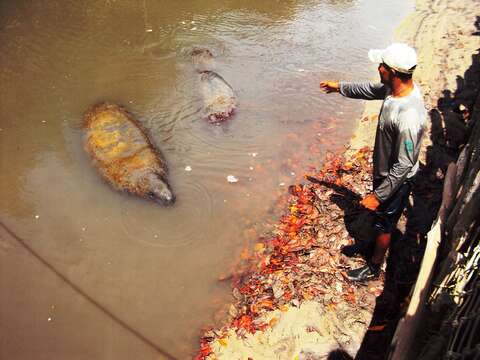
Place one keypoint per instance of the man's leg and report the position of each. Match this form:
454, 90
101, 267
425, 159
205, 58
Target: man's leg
382, 243
387, 217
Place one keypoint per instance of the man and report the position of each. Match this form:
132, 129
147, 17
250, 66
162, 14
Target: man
401, 125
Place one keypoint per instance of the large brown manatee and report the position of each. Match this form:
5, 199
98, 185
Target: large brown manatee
218, 97
124, 155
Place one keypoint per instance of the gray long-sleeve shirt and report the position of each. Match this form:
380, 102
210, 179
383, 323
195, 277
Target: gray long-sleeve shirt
400, 129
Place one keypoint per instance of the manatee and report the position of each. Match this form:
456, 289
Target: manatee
218, 97
124, 155
202, 59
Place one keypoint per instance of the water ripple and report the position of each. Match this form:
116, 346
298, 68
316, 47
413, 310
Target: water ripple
176, 226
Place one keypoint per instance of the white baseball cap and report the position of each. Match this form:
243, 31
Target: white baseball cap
398, 56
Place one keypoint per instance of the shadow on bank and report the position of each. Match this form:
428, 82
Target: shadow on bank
450, 127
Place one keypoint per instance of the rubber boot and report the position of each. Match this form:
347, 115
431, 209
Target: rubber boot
372, 269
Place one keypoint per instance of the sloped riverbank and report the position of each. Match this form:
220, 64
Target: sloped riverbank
291, 294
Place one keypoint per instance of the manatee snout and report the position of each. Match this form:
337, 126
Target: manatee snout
202, 59
164, 196
160, 191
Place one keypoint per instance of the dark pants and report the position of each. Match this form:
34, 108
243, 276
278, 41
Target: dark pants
389, 212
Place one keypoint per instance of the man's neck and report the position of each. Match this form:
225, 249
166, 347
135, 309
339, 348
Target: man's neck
402, 89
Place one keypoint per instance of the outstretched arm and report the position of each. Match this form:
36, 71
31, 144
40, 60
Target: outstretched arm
355, 90
363, 90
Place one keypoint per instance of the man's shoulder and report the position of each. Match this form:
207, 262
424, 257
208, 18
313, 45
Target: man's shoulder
413, 103
411, 117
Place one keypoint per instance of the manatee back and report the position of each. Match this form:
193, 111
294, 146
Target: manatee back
111, 133
219, 98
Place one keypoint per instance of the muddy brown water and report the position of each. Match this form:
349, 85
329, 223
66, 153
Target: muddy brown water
96, 274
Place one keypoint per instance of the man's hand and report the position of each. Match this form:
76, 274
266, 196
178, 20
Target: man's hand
330, 86
370, 202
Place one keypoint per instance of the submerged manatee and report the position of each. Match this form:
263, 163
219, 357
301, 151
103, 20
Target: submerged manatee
202, 59
123, 154
218, 97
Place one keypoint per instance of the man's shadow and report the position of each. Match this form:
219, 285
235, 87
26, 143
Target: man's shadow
357, 219
404, 256
339, 354
359, 224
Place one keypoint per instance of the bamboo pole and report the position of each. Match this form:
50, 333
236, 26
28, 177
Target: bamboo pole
408, 326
